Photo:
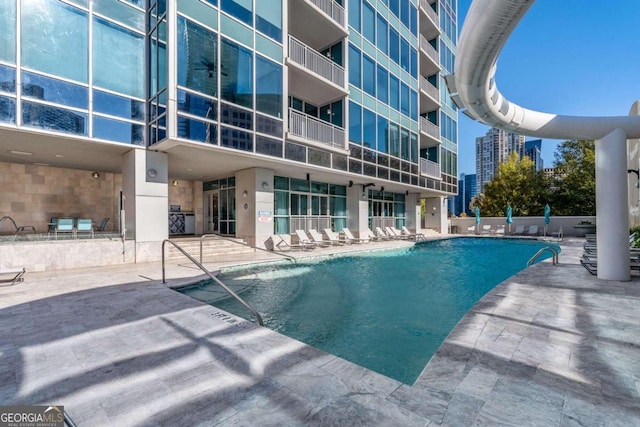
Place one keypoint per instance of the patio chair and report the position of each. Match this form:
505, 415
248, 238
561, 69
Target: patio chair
284, 243
486, 229
304, 239
349, 237
395, 234
471, 229
532, 231
382, 235
334, 237
17, 275
103, 224
500, 230
318, 239
410, 234
373, 236
519, 231
65, 225
84, 225
52, 225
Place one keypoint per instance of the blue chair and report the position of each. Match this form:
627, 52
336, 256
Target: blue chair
84, 225
65, 225
103, 224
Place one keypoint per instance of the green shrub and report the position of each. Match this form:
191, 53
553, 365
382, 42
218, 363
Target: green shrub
636, 238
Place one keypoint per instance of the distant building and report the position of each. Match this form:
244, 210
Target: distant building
533, 150
466, 190
491, 150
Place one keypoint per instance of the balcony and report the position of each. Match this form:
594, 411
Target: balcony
429, 96
430, 169
312, 131
429, 23
430, 133
429, 61
319, 23
313, 76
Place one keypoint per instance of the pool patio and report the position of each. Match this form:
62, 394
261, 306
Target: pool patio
552, 345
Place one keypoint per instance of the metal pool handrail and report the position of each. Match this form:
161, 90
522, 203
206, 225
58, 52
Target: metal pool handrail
551, 249
204, 236
214, 278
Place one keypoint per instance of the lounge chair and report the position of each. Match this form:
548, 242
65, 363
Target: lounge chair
304, 239
373, 236
532, 231
519, 231
65, 225
103, 224
333, 237
392, 233
349, 238
471, 229
486, 229
382, 235
500, 230
318, 239
84, 225
284, 243
410, 234
17, 275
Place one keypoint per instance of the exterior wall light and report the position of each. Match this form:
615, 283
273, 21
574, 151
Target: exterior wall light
95, 175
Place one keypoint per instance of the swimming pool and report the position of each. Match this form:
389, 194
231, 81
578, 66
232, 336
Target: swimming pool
388, 311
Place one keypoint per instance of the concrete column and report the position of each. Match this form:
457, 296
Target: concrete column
412, 212
612, 214
357, 209
436, 214
633, 162
146, 203
254, 205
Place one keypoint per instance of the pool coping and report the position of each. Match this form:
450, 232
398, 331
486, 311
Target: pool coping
551, 345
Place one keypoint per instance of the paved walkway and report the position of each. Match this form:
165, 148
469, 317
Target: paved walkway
550, 346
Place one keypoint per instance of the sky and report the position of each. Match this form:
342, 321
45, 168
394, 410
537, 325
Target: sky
572, 57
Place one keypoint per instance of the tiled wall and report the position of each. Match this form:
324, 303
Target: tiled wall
32, 194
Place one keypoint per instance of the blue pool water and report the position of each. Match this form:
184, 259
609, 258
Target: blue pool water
388, 311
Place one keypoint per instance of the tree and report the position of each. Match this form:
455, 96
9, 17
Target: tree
517, 184
574, 188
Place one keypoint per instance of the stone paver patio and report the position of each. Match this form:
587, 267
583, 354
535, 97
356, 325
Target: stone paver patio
551, 346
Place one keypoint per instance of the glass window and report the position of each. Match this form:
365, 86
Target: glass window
355, 71
368, 22
241, 9
268, 125
197, 105
54, 90
394, 140
413, 104
355, 123
121, 69
117, 105
7, 79
413, 63
196, 130
268, 87
404, 12
354, 14
234, 138
394, 45
116, 130
8, 33
55, 39
383, 84
269, 18
120, 12
369, 75
197, 53
7, 110
268, 146
236, 116
413, 20
394, 92
404, 144
382, 29
236, 79
394, 7
414, 148
53, 118
157, 65
369, 128
404, 99
383, 135
404, 54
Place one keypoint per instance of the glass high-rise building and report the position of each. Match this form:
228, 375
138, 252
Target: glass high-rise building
275, 115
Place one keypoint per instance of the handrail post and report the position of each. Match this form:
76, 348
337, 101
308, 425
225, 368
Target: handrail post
163, 276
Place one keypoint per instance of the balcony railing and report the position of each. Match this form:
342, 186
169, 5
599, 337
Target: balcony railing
424, 4
429, 128
430, 89
331, 8
430, 169
313, 61
430, 51
306, 126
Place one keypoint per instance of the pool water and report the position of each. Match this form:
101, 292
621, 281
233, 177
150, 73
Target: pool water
388, 311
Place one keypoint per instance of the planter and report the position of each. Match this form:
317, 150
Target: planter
582, 229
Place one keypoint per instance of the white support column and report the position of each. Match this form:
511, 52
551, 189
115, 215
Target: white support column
357, 209
612, 215
254, 205
412, 212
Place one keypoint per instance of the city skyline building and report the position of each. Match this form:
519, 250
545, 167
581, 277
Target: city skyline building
257, 117
533, 150
467, 188
492, 149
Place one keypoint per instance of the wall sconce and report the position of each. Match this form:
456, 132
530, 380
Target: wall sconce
350, 184
95, 175
406, 193
174, 182
265, 185
152, 173
433, 209
245, 193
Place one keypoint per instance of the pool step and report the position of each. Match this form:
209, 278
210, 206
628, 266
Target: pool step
211, 248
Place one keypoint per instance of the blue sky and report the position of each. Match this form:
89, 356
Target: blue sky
573, 57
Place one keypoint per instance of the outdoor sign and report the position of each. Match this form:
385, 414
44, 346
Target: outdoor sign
264, 216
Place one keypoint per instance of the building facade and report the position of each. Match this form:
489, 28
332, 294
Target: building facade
257, 117
491, 150
533, 150
467, 188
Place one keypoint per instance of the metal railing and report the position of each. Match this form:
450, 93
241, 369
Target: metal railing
308, 222
538, 254
309, 127
424, 4
383, 221
331, 8
216, 236
430, 89
429, 128
214, 278
428, 49
315, 62
430, 169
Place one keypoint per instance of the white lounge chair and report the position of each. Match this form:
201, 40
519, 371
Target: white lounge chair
412, 235
519, 231
486, 229
282, 242
318, 239
532, 231
16, 275
304, 239
471, 229
349, 238
392, 233
382, 235
373, 236
500, 230
334, 237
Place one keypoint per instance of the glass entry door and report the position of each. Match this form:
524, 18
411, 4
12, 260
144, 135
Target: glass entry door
211, 212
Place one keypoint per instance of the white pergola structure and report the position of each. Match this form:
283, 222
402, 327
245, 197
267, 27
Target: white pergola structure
486, 29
